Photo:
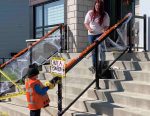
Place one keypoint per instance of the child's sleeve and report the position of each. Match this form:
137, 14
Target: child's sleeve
39, 90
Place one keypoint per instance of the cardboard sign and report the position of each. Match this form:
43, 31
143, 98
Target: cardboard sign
57, 67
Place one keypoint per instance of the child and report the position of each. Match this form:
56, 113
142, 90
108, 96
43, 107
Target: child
36, 93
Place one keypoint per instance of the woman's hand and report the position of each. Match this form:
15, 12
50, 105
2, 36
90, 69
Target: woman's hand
88, 28
91, 31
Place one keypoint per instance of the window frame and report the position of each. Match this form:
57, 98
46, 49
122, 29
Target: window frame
43, 18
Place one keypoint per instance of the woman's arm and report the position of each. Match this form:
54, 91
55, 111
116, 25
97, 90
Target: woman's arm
88, 27
87, 21
106, 23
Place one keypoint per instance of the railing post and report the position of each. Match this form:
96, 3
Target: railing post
131, 25
3, 60
130, 35
60, 97
30, 49
97, 68
145, 32
60, 82
65, 37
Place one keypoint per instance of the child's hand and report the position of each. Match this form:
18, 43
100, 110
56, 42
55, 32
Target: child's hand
49, 85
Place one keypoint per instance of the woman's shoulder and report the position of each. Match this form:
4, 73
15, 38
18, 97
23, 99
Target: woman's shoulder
90, 12
106, 14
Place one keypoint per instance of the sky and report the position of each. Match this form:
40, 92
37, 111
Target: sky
144, 7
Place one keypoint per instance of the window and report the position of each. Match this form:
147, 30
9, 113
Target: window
48, 15
39, 16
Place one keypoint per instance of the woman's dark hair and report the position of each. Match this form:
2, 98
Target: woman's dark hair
127, 2
101, 12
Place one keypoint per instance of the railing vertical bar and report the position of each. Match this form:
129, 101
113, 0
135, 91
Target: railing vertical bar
130, 36
60, 97
60, 83
144, 17
96, 67
61, 38
145, 32
30, 54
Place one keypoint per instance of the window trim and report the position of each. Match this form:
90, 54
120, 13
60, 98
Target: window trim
43, 18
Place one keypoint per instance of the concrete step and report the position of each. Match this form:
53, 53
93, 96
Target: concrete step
80, 79
112, 109
85, 114
112, 84
130, 65
87, 79
86, 62
17, 110
80, 71
13, 110
132, 99
102, 94
99, 107
75, 89
77, 70
136, 87
70, 76
129, 111
142, 76
67, 99
135, 56
69, 55
76, 85
69, 94
21, 101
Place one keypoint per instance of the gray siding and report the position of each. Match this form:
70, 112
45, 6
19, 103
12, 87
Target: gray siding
33, 2
14, 26
77, 34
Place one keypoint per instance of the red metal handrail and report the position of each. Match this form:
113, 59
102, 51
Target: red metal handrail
28, 48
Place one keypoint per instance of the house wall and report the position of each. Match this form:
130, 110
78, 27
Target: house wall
77, 35
143, 9
75, 11
34, 2
14, 26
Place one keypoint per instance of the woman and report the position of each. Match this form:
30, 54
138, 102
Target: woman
96, 22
